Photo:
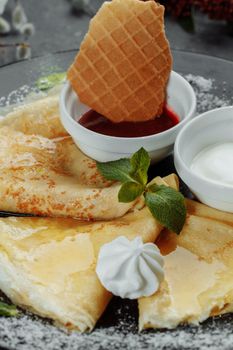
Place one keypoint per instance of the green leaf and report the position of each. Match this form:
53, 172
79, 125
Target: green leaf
167, 206
49, 81
8, 310
117, 170
130, 191
140, 163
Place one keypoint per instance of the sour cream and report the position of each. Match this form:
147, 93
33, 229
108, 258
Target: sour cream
215, 163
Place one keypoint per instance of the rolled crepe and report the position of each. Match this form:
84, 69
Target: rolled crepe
198, 271
44, 173
47, 265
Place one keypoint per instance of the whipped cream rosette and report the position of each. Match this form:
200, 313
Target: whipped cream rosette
130, 269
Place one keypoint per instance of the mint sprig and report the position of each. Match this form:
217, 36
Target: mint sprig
129, 191
118, 170
165, 203
167, 206
8, 310
140, 163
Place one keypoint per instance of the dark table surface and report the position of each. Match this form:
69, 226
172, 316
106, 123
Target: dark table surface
58, 29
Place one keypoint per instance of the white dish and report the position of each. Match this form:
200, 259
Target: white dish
180, 96
213, 127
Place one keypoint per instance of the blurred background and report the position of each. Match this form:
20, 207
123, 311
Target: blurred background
30, 28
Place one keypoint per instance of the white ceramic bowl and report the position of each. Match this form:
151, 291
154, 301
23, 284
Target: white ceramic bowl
181, 98
215, 126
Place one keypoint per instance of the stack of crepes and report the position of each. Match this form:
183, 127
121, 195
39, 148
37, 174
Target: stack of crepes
124, 62
198, 267
47, 265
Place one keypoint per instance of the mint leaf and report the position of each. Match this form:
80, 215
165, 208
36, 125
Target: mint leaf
167, 206
49, 81
140, 163
117, 170
8, 310
129, 191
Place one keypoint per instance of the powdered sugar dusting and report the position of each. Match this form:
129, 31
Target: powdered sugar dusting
17, 96
203, 83
29, 332
118, 327
207, 96
25, 94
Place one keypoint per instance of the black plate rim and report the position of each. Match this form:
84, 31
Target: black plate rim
195, 53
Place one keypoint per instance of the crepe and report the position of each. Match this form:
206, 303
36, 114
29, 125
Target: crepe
198, 271
124, 62
47, 265
44, 173
199, 209
40, 117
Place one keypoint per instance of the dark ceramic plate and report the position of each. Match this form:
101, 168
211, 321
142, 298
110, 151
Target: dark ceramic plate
117, 329
15, 75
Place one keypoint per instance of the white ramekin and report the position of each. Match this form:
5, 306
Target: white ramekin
215, 126
181, 98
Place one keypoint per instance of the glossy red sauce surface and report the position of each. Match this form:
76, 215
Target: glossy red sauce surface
98, 123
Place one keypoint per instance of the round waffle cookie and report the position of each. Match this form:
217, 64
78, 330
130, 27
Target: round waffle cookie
124, 62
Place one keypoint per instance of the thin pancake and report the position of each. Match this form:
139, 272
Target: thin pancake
198, 271
47, 265
44, 173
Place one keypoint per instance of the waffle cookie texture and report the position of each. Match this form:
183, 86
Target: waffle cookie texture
124, 62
